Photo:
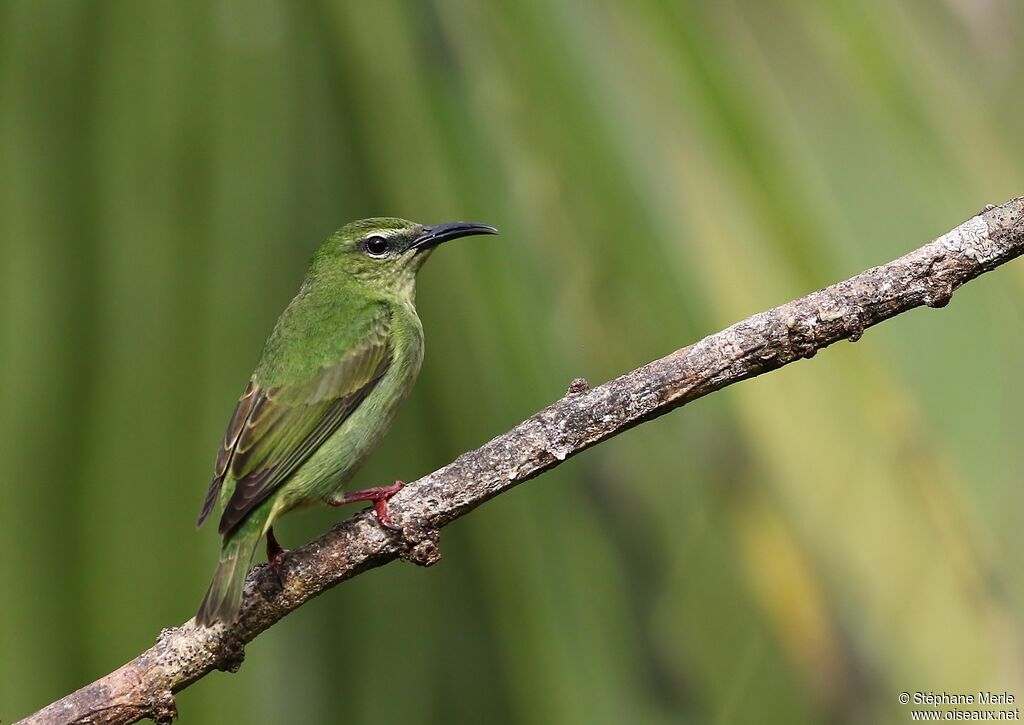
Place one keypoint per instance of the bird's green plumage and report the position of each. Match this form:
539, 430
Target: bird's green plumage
339, 362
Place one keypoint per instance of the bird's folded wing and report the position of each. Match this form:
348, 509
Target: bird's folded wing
273, 431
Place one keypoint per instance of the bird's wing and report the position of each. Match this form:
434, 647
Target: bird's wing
274, 430
238, 418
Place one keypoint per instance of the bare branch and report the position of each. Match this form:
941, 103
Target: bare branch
144, 687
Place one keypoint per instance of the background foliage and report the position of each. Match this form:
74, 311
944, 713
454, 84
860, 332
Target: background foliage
799, 548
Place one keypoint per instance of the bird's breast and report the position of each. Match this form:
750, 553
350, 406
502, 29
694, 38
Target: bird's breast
340, 457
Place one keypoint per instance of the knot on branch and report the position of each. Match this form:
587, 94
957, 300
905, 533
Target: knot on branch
577, 386
232, 654
938, 292
853, 325
421, 544
803, 340
164, 710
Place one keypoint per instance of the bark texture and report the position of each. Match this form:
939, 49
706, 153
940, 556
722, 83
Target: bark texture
145, 686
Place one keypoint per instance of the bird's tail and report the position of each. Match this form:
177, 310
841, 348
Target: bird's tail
224, 597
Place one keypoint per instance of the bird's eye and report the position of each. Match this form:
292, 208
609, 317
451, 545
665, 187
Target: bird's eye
376, 246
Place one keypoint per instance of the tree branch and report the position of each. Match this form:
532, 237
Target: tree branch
144, 687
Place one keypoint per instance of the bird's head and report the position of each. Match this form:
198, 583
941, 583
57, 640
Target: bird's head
386, 252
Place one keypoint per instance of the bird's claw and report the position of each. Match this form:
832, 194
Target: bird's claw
380, 497
276, 555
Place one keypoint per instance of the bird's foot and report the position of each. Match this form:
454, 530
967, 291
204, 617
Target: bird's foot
275, 554
379, 496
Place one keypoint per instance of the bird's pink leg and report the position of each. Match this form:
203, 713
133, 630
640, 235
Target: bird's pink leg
379, 496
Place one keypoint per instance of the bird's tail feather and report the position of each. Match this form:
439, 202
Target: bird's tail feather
224, 597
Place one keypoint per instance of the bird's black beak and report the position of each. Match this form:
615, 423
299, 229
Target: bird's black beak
439, 233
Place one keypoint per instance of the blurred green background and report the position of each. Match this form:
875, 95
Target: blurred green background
798, 548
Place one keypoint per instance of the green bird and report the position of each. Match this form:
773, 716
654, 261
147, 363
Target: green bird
341, 359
